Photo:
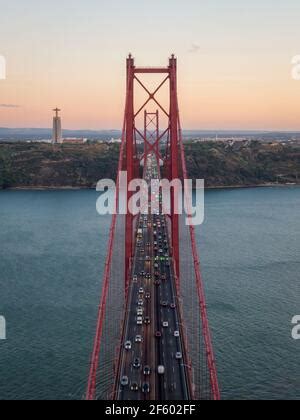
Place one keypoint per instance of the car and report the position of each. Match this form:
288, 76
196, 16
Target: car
141, 291
178, 355
139, 320
148, 295
164, 277
157, 283
176, 334
164, 304
135, 278
124, 381
128, 345
147, 370
158, 334
161, 370
140, 302
147, 320
140, 312
138, 339
137, 363
146, 388
134, 387
173, 306
165, 324
156, 266
148, 276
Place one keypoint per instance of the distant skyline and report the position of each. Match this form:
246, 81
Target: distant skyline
234, 61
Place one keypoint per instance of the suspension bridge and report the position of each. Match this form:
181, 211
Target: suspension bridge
152, 339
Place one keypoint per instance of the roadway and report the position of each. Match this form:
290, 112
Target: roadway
153, 364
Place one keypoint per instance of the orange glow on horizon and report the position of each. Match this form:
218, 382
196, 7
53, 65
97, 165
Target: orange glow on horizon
229, 76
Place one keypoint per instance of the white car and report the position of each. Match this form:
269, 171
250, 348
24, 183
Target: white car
140, 302
165, 324
176, 334
125, 381
178, 355
138, 339
139, 320
161, 370
141, 291
128, 345
140, 312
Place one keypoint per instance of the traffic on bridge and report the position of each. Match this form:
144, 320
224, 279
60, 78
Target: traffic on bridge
153, 361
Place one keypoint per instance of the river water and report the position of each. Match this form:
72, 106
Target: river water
52, 250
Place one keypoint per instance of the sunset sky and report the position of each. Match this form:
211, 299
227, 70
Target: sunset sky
234, 60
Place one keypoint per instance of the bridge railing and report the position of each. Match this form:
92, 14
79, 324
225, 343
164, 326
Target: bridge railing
194, 307
103, 364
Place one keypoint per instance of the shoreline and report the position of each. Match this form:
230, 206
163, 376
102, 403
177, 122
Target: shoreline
211, 188
268, 185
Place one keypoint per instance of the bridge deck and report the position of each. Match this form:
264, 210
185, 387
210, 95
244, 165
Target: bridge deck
151, 343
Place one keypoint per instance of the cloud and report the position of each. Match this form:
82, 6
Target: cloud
9, 106
194, 48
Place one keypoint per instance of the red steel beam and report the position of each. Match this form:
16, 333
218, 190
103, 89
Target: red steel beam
91, 387
151, 118
149, 70
174, 161
130, 166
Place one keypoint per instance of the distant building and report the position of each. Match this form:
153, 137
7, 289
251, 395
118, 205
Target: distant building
57, 130
114, 141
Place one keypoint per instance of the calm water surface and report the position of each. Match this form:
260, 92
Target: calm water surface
52, 248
